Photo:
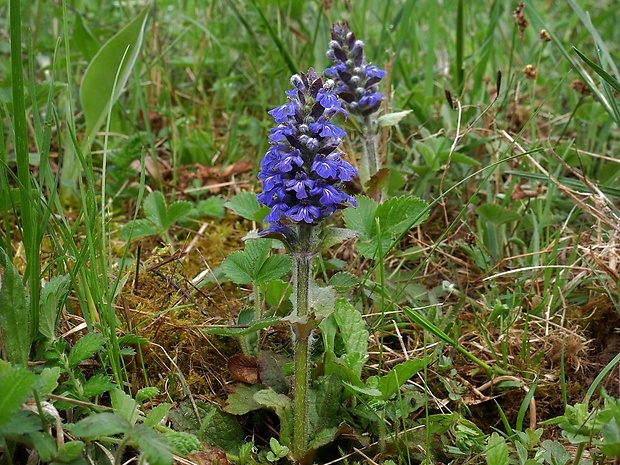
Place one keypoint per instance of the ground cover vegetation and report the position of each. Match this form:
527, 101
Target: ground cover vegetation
260, 231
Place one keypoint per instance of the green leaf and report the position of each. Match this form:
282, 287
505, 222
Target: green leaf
333, 236
153, 445
254, 265
53, 295
390, 383
15, 386
361, 218
97, 385
83, 39
213, 206
124, 405
384, 224
281, 404
20, 422
245, 205
159, 214
45, 445
85, 348
343, 281
353, 328
496, 214
70, 451
497, 450
182, 443
146, 393
14, 316
241, 400
48, 380
139, 228
100, 425
157, 414
392, 119
108, 73
221, 429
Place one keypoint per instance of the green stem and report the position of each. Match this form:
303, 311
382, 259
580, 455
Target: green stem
302, 330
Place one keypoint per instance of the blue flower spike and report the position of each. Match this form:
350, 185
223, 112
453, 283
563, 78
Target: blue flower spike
356, 80
303, 171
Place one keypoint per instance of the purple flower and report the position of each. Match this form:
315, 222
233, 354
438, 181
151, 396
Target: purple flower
356, 81
303, 170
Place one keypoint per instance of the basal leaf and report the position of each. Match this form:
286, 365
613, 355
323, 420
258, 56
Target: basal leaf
125, 405
497, 450
213, 206
155, 209
496, 214
15, 385
221, 429
283, 407
14, 313
245, 205
241, 400
175, 212
153, 445
99, 425
45, 445
390, 384
85, 348
108, 72
139, 228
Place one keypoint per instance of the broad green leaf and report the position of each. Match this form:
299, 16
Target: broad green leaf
221, 429
20, 422
48, 380
158, 213
153, 445
274, 267
97, 385
321, 300
157, 414
14, 314
182, 443
254, 265
45, 445
100, 425
15, 385
361, 218
392, 119
333, 236
496, 214
70, 451
324, 403
390, 383
53, 295
83, 39
86, 347
139, 228
146, 393
384, 224
246, 206
241, 400
108, 72
343, 281
213, 206
497, 450
125, 405
281, 404
353, 328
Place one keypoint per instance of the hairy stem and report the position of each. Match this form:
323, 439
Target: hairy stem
302, 331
